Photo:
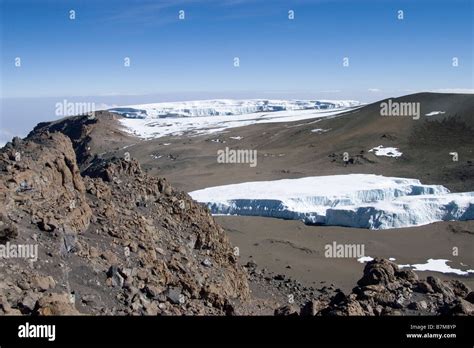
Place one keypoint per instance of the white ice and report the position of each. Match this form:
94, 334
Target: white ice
353, 200
211, 116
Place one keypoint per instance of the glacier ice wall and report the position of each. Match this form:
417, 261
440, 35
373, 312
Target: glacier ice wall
227, 107
354, 200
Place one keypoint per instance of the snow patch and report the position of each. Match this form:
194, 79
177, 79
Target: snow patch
365, 259
386, 151
439, 265
433, 113
319, 130
433, 265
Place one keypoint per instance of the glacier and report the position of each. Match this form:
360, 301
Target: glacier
227, 107
149, 121
353, 200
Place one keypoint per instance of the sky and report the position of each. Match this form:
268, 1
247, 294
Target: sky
193, 58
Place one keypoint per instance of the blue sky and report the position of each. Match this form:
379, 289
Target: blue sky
174, 59
84, 57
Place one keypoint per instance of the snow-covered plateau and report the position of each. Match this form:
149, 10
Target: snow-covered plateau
211, 116
353, 200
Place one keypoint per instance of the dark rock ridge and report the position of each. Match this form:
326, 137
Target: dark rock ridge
78, 129
92, 136
114, 241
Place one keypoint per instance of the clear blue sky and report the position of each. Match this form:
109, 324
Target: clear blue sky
302, 57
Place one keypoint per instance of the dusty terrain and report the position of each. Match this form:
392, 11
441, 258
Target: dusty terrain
297, 250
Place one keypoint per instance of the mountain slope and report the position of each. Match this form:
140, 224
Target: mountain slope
313, 147
114, 242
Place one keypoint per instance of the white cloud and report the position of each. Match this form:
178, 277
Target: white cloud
374, 90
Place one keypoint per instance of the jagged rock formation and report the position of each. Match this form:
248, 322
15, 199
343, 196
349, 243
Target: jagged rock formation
384, 289
91, 135
113, 242
78, 129
41, 178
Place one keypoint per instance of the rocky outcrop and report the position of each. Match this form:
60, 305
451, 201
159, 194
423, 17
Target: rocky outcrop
40, 179
91, 135
78, 129
112, 240
384, 289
